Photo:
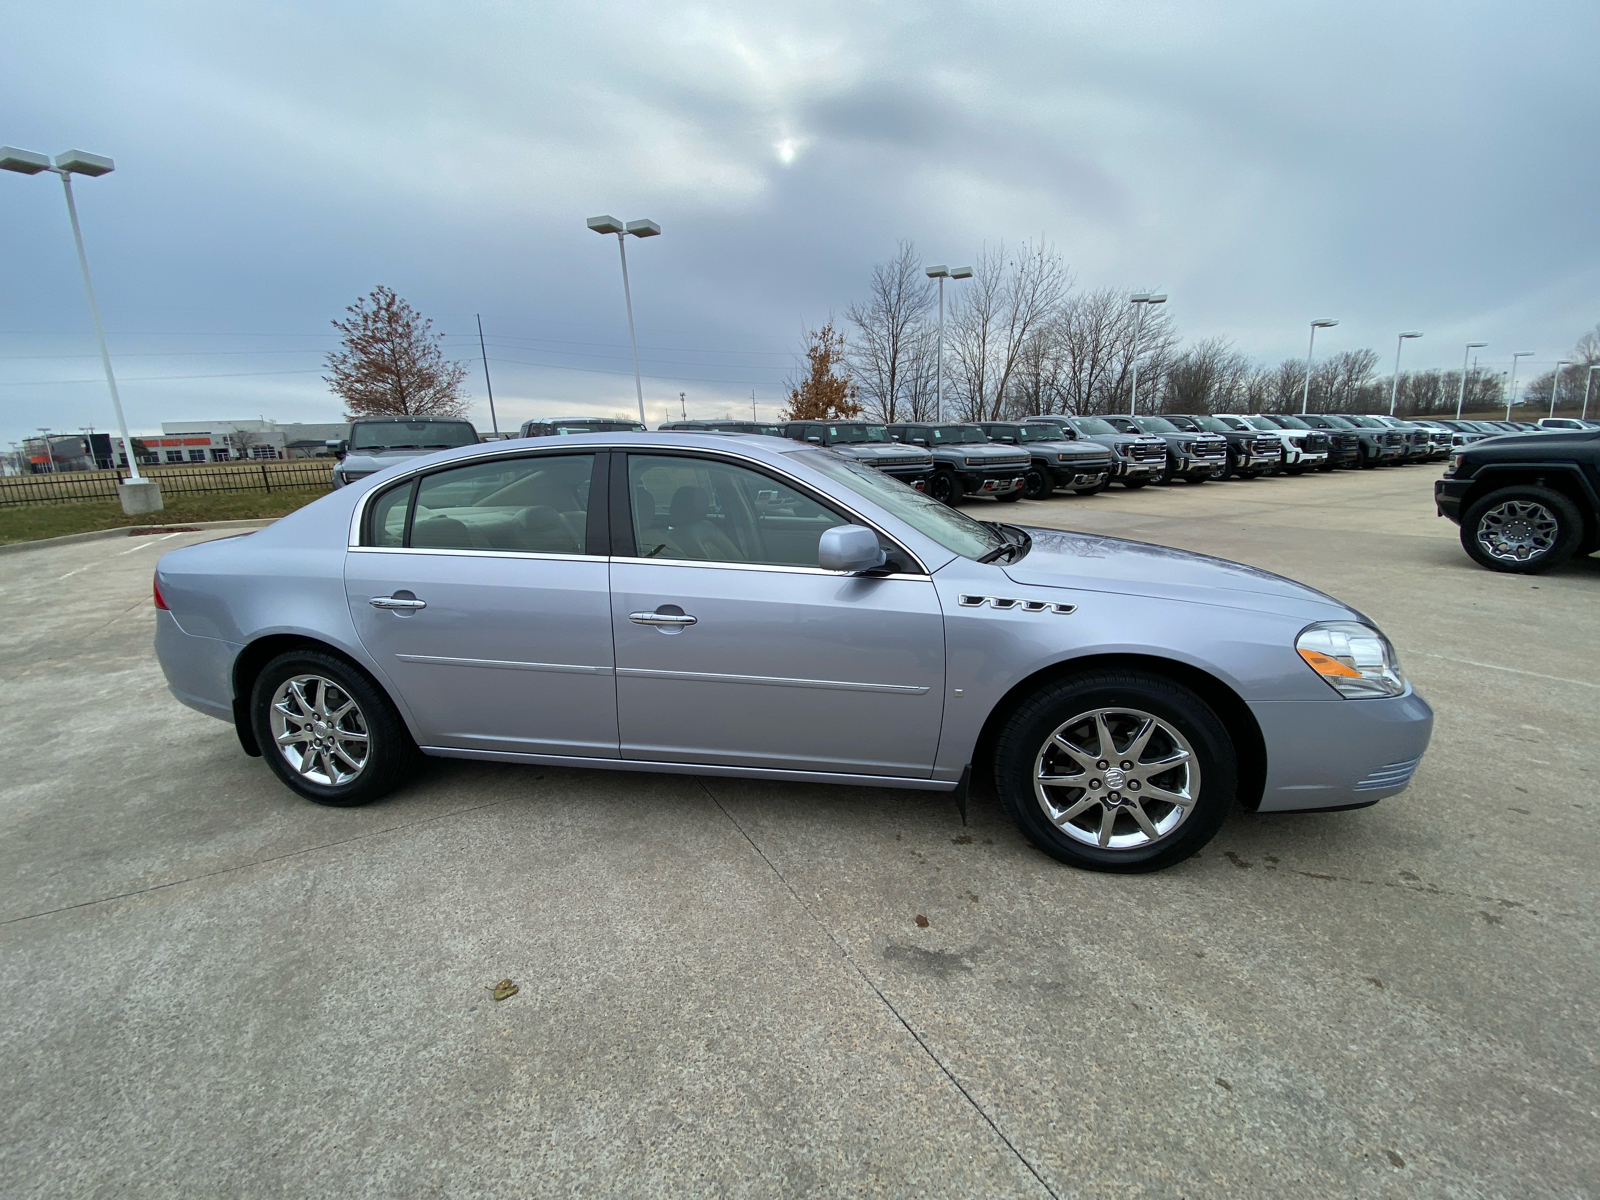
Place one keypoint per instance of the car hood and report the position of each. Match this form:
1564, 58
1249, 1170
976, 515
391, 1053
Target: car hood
983, 450
1079, 449
1089, 562
366, 464
880, 452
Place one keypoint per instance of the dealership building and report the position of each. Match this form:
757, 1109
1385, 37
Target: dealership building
229, 441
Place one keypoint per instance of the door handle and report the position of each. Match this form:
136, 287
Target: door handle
678, 620
396, 602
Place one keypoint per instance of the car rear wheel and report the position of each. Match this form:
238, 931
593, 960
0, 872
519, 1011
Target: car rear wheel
945, 487
1036, 485
1521, 530
327, 731
1116, 771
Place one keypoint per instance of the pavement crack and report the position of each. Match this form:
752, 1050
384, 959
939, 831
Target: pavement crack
883, 999
255, 862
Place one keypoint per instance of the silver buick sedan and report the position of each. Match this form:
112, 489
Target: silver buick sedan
750, 607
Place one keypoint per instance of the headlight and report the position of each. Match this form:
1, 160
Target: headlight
1355, 660
1186, 447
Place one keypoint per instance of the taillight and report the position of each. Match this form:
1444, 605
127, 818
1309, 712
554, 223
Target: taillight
161, 601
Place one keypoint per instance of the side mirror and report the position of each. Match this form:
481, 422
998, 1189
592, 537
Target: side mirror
337, 445
850, 548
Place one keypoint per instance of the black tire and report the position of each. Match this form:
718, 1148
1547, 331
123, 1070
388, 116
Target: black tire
1009, 497
1027, 739
1541, 523
945, 487
1327, 467
1134, 485
1364, 461
391, 754
1092, 491
1037, 485
1198, 479
1231, 471
1168, 474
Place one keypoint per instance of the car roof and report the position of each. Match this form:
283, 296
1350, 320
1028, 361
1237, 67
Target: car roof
410, 420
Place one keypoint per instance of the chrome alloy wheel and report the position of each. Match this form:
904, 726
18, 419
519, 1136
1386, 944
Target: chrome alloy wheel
1116, 778
1518, 530
320, 730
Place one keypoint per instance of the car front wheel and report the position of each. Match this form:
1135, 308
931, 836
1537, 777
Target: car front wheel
1521, 530
327, 731
945, 487
1116, 771
1037, 485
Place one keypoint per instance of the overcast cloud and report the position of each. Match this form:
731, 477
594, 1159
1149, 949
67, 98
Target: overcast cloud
1397, 166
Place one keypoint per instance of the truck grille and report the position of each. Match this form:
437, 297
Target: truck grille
1347, 441
1394, 439
1314, 443
1265, 446
1211, 449
1141, 453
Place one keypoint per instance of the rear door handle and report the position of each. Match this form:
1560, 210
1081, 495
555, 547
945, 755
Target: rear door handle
657, 618
396, 602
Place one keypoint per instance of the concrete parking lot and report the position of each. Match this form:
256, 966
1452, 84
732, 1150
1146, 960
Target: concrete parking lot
213, 987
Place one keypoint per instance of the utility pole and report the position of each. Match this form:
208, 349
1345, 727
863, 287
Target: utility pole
487, 382
683, 407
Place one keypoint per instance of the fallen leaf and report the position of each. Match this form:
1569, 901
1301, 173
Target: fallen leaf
504, 990
922, 921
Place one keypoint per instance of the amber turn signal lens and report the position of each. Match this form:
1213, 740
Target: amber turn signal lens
1322, 664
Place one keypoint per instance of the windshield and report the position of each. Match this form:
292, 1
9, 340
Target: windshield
1038, 433
944, 434
953, 530
1095, 425
850, 435
1157, 425
1365, 422
1262, 423
1289, 422
412, 435
1212, 425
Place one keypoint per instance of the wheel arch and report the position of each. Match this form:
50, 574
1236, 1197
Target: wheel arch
1249, 746
1557, 477
250, 662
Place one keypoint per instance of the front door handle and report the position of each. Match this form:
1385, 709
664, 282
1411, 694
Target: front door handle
398, 603
675, 620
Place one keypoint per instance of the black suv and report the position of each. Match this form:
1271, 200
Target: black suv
1059, 460
1250, 452
1344, 445
1192, 457
964, 461
869, 443
1525, 502
560, 425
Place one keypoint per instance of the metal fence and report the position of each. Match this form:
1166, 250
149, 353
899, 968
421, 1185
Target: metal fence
175, 481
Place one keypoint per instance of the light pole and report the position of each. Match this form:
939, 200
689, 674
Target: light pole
941, 273
1465, 354
49, 450
1511, 392
639, 229
1584, 415
1141, 299
1322, 323
1394, 388
1556, 383
138, 495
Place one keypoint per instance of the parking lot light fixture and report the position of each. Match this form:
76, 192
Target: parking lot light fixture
639, 229
941, 273
1319, 323
1511, 392
66, 165
1465, 354
1555, 383
1394, 389
1142, 299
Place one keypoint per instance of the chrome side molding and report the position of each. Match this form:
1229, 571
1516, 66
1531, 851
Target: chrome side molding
1029, 606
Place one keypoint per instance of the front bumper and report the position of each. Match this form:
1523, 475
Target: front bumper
1337, 753
1252, 462
1142, 469
1090, 474
1200, 468
1448, 495
986, 484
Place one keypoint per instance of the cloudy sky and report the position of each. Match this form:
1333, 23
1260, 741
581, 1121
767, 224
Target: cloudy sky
1415, 165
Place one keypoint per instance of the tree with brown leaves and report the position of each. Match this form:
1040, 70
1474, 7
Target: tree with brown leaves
826, 392
390, 364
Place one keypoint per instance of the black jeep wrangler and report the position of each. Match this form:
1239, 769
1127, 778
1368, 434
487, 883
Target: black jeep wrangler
1525, 502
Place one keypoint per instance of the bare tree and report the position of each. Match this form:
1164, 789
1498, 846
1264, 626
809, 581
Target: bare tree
824, 390
390, 364
997, 314
1208, 377
890, 332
